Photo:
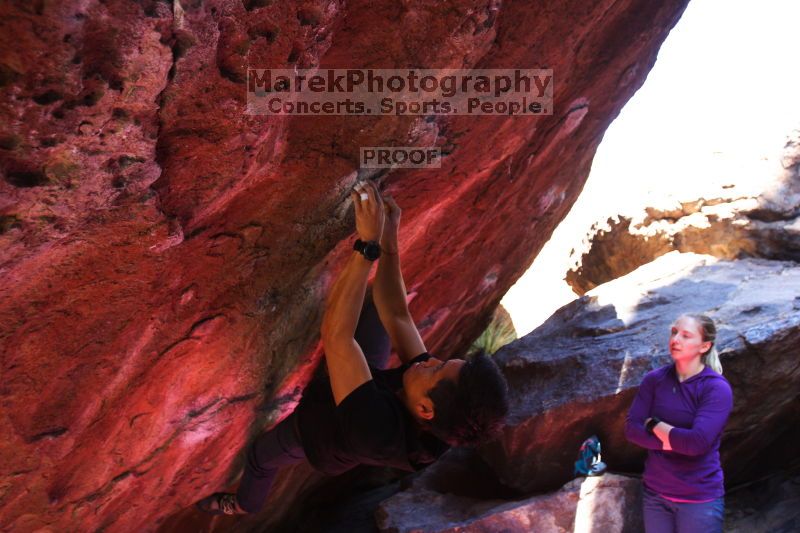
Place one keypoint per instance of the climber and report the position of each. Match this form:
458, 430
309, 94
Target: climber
678, 414
359, 412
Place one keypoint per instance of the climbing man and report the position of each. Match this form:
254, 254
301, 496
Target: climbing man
360, 412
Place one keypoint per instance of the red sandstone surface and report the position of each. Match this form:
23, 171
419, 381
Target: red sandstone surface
164, 257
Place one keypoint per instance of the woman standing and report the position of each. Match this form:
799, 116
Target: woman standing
678, 415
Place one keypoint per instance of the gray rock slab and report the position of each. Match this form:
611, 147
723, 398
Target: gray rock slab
576, 375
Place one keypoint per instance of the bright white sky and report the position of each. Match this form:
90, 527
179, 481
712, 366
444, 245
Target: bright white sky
714, 109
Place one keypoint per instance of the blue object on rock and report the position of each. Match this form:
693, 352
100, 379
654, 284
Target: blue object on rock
589, 463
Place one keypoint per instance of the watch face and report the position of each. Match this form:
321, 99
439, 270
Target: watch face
372, 250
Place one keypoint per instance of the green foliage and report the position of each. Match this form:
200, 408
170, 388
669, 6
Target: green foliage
499, 333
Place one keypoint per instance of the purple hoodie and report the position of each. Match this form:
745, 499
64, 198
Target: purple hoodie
698, 408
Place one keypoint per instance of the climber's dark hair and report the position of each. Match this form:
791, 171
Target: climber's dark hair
473, 410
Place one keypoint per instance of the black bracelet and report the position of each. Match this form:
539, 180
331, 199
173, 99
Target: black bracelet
654, 421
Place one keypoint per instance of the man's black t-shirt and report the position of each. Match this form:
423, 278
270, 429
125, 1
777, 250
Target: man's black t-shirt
370, 426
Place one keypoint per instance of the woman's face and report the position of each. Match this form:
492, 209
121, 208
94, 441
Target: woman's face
686, 340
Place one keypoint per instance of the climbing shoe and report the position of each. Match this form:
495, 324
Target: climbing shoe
218, 503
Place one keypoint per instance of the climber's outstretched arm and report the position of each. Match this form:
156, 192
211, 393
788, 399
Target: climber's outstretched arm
347, 367
389, 290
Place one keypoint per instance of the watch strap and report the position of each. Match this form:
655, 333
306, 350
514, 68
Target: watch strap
654, 421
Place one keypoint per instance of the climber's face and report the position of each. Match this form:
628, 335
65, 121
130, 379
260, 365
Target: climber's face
421, 377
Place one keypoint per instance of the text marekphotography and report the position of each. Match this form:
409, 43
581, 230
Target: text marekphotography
400, 92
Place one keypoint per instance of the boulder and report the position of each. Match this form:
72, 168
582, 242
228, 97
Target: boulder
729, 226
576, 375
165, 256
770, 505
608, 503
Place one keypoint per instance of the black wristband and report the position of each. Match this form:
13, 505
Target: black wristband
654, 421
371, 250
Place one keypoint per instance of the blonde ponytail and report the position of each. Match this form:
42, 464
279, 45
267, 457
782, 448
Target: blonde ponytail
711, 359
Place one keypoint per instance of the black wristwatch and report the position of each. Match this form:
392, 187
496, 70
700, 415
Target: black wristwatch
654, 421
369, 249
